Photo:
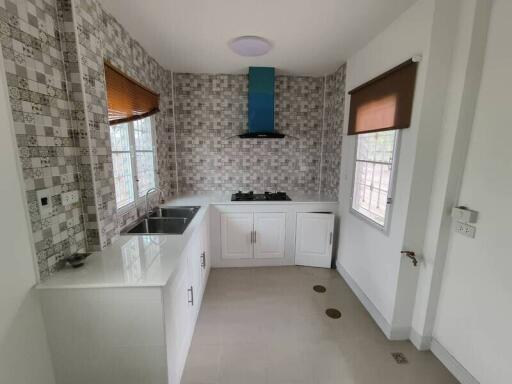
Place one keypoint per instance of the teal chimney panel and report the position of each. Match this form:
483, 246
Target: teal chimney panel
261, 100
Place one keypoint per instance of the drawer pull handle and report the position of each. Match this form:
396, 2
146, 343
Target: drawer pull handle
191, 299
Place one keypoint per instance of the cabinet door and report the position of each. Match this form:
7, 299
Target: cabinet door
269, 235
205, 254
236, 230
313, 239
194, 251
178, 326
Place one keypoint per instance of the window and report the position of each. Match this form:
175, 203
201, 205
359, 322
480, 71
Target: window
373, 175
133, 160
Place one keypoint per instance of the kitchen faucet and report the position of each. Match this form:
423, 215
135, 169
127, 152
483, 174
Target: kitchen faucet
146, 198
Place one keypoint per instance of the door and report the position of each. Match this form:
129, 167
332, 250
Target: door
194, 251
313, 239
205, 254
269, 235
178, 328
236, 235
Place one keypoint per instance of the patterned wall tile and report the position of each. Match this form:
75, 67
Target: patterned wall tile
36, 82
333, 130
211, 109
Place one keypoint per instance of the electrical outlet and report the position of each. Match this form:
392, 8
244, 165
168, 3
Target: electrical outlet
465, 229
44, 202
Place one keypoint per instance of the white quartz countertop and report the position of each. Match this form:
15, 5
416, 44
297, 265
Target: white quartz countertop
148, 260
225, 198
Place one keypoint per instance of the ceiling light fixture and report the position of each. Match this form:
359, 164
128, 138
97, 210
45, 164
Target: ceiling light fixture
250, 45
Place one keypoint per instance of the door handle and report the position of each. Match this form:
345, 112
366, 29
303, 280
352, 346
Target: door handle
330, 238
411, 255
191, 299
254, 237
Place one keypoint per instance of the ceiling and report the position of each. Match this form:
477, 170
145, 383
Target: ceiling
309, 37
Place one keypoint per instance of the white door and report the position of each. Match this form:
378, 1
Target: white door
179, 328
313, 239
205, 252
269, 235
236, 234
194, 268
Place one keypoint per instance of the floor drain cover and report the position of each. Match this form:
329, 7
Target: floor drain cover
333, 313
319, 288
399, 357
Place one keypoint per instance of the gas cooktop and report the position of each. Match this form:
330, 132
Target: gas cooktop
266, 196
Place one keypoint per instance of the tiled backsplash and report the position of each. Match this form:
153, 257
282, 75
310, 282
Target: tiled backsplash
333, 130
53, 52
36, 80
211, 109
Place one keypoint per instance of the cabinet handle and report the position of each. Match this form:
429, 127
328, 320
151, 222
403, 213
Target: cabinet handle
254, 237
330, 238
191, 290
203, 260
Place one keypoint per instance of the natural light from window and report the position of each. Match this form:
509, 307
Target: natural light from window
373, 175
132, 159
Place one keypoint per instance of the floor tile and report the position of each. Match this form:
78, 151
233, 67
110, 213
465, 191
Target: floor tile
268, 326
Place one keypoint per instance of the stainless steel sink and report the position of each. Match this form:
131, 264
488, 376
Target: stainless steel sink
178, 212
163, 221
158, 225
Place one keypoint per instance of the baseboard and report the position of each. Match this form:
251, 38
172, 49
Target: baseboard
452, 364
421, 342
397, 333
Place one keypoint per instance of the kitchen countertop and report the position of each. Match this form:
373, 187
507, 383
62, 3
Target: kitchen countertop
225, 198
149, 260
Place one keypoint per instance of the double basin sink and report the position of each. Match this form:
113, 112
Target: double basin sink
163, 221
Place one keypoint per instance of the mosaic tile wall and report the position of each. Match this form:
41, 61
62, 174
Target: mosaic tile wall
53, 52
37, 90
210, 109
333, 130
100, 37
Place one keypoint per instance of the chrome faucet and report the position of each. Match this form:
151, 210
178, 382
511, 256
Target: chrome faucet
146, 198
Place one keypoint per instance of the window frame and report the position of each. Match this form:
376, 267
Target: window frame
133, 158
391, 189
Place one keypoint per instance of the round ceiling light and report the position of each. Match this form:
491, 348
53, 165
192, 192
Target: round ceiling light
250, 45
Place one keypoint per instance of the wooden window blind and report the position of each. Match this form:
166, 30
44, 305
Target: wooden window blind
385, 102
128, 100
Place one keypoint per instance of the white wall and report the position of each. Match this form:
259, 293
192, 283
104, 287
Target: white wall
370, 257
475, 306
24, 354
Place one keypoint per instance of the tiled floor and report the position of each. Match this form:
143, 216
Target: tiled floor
267, 325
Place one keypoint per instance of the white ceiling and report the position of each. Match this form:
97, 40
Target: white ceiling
309, 37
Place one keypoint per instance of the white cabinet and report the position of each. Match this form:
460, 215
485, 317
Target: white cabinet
237, 232
269, 235
313, 240
205, 257
178, 326
259, 235
194, 251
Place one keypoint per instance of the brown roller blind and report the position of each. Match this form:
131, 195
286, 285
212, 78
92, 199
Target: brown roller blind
128, 100
385, 102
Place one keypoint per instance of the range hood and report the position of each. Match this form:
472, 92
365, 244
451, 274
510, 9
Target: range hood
261, 104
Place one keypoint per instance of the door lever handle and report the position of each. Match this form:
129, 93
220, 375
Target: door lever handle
411, 255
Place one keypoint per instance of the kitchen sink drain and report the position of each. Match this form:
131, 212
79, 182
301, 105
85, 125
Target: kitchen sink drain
333, 313
319, 288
